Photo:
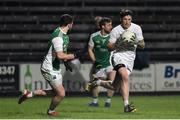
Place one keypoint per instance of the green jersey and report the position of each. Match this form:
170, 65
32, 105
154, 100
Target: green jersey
59, 42
100, 49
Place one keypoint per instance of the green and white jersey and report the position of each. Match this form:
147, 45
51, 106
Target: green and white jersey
100, 49
59, 42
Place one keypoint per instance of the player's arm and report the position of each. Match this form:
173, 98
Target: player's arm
141, 44
112, 41
91, 54
139, 35
111, 46
63, 56
93, 58
90, 49
58, 47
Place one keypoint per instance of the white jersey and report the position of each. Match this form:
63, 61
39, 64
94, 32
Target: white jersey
126, 56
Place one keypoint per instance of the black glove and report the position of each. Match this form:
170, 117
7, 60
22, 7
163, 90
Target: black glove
78, 54
97, 65
67, 66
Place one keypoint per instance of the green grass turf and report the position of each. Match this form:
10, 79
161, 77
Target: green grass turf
149, 107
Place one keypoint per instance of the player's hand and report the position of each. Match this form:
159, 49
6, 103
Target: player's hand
77, 54
129, 44
67, 66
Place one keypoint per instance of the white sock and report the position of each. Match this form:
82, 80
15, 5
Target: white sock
126, 102
50, 111
108, 100
95, 100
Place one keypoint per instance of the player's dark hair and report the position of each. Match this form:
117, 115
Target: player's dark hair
103, 21
125, 12
65, 20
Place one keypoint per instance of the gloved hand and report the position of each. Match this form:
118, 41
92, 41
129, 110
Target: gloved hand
78, 54
67, 66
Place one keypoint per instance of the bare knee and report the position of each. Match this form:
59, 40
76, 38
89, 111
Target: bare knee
125, 78
60, 91
124, 75
60, 94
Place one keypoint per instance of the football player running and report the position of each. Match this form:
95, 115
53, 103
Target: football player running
100, 56
123, 56
50, 67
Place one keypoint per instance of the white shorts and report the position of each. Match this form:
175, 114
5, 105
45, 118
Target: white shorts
120, 58
103, 72
54, 78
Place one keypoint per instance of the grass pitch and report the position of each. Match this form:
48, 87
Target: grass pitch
149, 107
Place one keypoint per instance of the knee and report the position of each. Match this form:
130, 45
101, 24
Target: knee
60, 94
125, 78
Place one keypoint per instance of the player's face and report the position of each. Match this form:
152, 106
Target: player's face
70, 26
107, 27
126, 21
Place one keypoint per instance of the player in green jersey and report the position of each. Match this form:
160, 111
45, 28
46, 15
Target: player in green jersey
50, 68
100, 56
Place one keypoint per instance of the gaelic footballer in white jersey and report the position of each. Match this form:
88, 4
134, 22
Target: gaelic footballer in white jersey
124, 53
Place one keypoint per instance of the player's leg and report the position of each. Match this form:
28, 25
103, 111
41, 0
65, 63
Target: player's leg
101, 74
111, 76
123, 68
42, 92
94, 90
29, 94
110, 93
109, 84
55, 81
95, 95
124, 84
25, 95
56, 99
124, 73
54, 78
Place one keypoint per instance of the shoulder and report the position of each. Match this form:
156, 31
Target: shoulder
95, 34
136, 26
57, 39
58, 33
117, 29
